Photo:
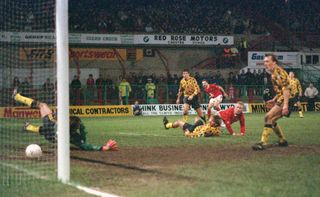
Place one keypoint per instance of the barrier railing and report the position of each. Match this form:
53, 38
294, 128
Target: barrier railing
110, 95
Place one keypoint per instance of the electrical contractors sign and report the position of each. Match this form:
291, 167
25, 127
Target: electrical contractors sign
81, 111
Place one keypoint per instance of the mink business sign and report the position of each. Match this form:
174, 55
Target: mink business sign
286, 59
177, 109
174, 39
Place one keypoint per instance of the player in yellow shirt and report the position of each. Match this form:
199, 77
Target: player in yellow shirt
279, 105
296, 92
190, 90
199, 128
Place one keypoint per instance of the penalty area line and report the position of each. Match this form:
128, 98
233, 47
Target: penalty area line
92, 191
38, 176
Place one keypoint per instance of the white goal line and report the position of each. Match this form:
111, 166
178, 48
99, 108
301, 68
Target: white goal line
37, 175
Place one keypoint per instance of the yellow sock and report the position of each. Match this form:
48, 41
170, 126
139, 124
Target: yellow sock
23, 99
33, 128
301, 114
169, 125
185, 118
278, 131
265, 134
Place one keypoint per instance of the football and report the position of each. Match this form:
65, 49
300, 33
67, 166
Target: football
33, 151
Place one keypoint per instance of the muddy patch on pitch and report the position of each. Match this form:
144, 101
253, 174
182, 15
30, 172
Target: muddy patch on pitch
158, 157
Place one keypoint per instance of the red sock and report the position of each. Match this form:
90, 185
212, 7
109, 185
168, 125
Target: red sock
217, 108
209, 113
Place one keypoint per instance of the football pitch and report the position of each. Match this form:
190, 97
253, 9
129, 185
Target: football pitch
153, 161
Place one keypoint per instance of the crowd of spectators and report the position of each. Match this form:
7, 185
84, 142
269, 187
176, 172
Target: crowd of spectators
163, 16
247, 84
162, 88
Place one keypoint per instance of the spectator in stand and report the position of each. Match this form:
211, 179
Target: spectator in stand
137, 111
231, 93
173, 90
266, 78
90, 88
16, 82
140, 92
48, 86
175, 77
198, 77
162, 89
259, 83
243, 48
124, 91
26, 87
150, 88
48, 90
249, 77
218, 78
311, 93
250, 85
231, 79
242, 80
75, 90
101, 89
109, 86
267, 96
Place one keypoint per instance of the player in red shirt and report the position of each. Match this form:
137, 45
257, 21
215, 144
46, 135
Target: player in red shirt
215, 93
233, 114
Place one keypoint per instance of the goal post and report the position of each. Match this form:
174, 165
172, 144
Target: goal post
62, 43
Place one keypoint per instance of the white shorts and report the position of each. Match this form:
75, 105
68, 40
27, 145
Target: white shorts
217, 99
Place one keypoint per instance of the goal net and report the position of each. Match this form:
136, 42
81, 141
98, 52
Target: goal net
27, 64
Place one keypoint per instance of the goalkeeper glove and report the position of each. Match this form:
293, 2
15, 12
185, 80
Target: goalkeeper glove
110, 145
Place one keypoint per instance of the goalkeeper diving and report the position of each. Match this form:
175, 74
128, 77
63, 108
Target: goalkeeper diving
78, 135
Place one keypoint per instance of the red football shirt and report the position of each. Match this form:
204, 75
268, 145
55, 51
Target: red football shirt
228, 116
213, 90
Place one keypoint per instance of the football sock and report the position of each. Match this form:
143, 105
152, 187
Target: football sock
169, 125
185, 118
204, 118
300, 112
278, 131
267, 130
22, 99
33, 128
209, 113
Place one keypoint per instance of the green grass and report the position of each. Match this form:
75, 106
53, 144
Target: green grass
259, 175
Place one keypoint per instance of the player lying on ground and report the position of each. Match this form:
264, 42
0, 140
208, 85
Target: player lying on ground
77, 129
216, 94
199, 128
231, 115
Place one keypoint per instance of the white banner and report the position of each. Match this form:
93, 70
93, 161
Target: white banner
198, 40
100, 39
119, 39
286, 59
174, 109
